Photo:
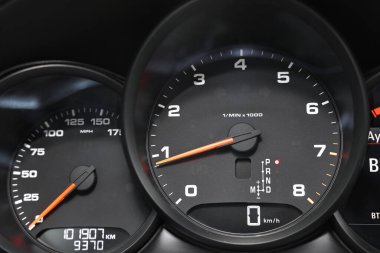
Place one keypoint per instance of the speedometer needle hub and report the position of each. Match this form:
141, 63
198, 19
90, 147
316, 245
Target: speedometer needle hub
74, 185
215, 145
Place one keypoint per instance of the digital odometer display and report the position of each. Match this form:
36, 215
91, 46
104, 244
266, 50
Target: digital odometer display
83, 239
244, 141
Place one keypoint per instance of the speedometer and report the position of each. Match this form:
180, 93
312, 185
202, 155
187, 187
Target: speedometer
221, 143
70, 188
61, 152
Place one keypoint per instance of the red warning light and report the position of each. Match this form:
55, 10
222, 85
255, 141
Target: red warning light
277, 162
376, 112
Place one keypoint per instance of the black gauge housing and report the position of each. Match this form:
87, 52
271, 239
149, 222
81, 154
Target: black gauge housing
285, 27
357, 222
31, 93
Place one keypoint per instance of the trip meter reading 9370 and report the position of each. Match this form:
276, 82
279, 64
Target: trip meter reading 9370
244, 141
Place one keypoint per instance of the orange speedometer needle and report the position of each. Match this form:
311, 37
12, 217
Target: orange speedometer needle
78, 181
218, 144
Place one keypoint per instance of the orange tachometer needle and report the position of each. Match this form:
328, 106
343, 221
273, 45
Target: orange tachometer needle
225, 142
196, 151
79, 180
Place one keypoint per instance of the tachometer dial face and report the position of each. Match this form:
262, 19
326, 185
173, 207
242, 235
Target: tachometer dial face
244, 141
69, 183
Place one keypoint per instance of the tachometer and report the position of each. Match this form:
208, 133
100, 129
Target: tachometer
221, 143
241, 132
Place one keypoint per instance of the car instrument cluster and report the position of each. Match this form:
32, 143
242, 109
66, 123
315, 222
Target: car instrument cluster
241, 126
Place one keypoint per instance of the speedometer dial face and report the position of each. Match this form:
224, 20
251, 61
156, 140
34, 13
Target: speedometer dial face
244, 141
69, 183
